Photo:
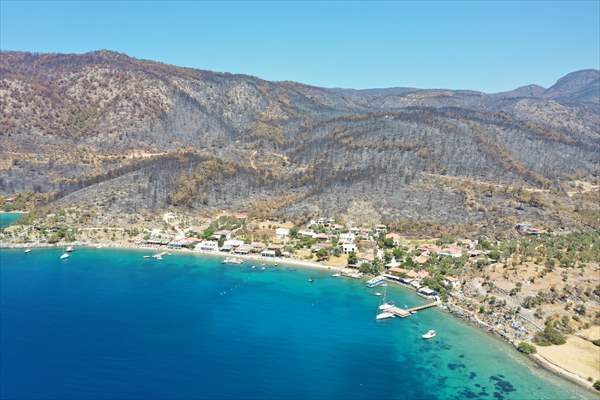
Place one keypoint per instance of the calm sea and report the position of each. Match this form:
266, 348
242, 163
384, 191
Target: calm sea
109, 324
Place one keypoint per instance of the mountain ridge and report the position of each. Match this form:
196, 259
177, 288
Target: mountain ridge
80, 127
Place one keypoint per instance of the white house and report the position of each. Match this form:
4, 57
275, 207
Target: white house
233, 243
306, 233
348, 248
226, 234
209, 245
282, 232
347, 237
268, 253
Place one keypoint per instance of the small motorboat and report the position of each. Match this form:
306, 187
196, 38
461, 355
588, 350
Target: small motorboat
69, 249
377, 294
146, 257
386, 306
336, 275
262, 268
254, 266
64, 256
384, 315
430, 334
413, 312
232, 260
158, 257
27, 251
311, 280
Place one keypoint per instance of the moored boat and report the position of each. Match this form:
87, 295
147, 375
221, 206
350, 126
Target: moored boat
27, 251
430, 334
232, 260
69, 249
64, 256
384, 315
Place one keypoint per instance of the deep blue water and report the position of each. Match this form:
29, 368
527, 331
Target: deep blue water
8, 218
109, 324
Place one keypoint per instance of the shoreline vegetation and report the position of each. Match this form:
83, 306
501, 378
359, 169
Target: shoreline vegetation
453, 309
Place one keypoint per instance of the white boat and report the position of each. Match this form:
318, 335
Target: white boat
69, 249
336, 275
377, 294
232, 260
158, 257
357, 275
386, 306
430, 334
384, 315
27, 251
64, 256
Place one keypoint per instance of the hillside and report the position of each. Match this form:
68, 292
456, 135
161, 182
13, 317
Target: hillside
106, 130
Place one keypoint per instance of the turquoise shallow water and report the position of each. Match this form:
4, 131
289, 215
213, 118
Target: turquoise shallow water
109, 324
8, 218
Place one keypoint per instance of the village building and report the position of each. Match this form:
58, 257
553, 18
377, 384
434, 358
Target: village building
348, 248
282, 232
222, 234
257, 247
306, 233
347, 237
322, 237
233, 243
243, 249
395, 237
268, 253
393, 263
427, 292
451, 251
207, 245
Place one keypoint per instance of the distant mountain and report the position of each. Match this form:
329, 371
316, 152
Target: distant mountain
106, 130
523, 91
577, 87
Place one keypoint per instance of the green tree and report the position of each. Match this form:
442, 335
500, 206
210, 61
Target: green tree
526, 348
352, 259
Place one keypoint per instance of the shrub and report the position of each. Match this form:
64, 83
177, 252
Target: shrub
526, 348
597, 385
550, 335
596, 342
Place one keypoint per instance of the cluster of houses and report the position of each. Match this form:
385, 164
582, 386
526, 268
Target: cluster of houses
326, 234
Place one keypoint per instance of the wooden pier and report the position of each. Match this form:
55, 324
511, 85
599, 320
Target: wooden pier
402, 313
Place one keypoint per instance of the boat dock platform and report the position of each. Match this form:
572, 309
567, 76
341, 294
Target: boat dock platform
402, 313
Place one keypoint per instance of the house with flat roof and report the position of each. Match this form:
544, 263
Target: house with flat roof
348, 248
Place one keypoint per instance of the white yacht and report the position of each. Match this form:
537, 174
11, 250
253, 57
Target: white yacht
27, 251
69, 249
384, 315
430, 334
64, 256
232, 260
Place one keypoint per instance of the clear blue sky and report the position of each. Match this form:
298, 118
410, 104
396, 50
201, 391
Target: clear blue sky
489, 46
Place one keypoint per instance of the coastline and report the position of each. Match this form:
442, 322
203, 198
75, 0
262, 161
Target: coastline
451, 308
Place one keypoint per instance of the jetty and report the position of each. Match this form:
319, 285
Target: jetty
403, 313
